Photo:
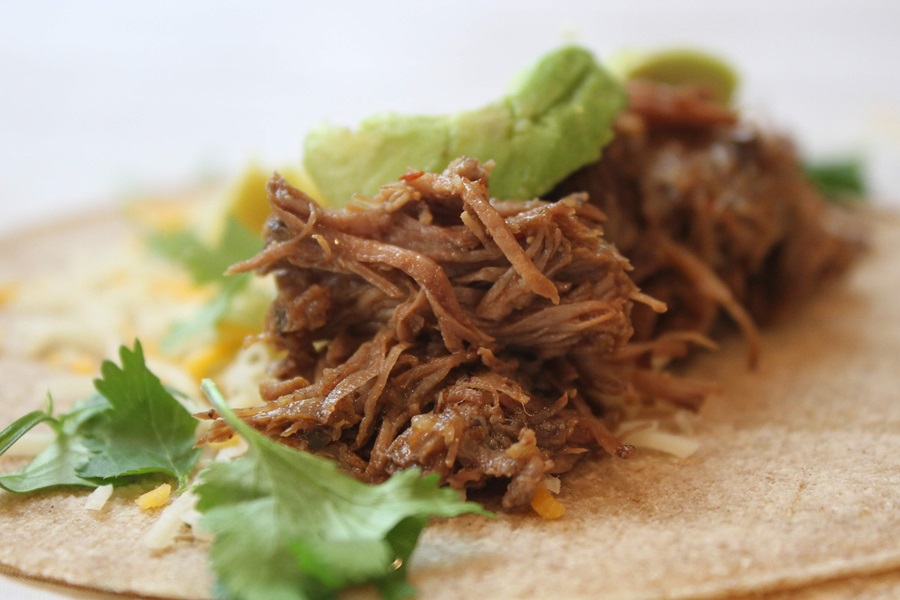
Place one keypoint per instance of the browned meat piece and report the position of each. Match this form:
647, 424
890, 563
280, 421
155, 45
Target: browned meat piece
433, 327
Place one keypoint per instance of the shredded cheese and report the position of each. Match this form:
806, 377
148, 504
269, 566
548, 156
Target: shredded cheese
211, 358
178, 288
546, 505
240, 380
8, 292
161, 213
670, 443
80, 313
553, 484
644, 433
155, 498
231, 451
163, 531
98, 498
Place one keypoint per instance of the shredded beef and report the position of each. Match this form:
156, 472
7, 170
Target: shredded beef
494, 341
433, 327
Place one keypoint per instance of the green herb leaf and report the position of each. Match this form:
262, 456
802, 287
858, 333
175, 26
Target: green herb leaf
58, 464
133, 426
146, 430
290, 526
207, 263
838, 179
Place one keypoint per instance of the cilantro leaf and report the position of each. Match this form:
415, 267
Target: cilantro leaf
132, 426
838, 179
290, 526
146, 430
207, 263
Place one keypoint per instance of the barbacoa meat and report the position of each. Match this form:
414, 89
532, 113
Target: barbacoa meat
498, 341
433, 327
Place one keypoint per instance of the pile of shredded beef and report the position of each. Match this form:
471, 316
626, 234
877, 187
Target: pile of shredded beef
494, 341
433, 327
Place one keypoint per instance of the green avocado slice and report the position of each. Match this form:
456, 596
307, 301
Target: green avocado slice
679, 66
556, 118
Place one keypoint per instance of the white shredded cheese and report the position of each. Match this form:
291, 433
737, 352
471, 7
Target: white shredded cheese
684, 420
192, 518
646, 433
98, 498
240, 380
670, 443
95, 303
75, 317
552, 484
162, 533
232, 450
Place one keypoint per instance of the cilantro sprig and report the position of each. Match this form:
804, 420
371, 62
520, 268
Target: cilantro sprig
290, 526
132, 426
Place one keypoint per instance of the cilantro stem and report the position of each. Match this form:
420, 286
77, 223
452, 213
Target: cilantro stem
20, 427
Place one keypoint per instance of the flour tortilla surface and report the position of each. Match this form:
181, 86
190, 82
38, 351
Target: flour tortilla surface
794, 492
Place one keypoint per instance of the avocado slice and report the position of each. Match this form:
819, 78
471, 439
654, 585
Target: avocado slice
556, 118
678, 66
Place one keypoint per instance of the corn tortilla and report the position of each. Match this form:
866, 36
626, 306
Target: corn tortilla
793, 493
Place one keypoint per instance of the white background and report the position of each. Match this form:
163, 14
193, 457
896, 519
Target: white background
101, 100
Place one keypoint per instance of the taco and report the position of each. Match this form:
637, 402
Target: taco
791, 485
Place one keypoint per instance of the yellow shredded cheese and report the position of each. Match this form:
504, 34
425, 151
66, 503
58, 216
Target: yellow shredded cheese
232, 441
199, 363
155, 498
179, 288
74, 360
83, 364
8, 292
546, 505
212, 357
163, 216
